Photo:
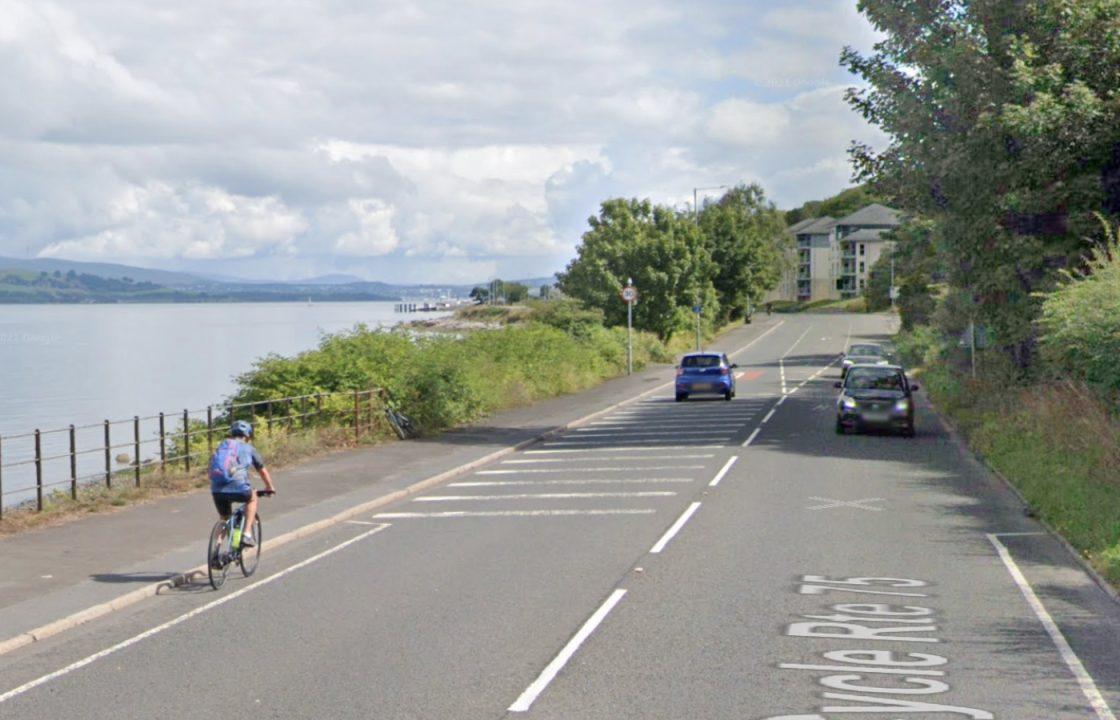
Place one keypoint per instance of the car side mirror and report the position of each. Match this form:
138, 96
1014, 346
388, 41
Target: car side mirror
838, 385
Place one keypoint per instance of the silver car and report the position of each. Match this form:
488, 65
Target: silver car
863, 354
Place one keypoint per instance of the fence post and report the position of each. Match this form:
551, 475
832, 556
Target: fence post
268, 407
73, 465
162, 445
187, 440
319, 406
136, 447
209, 429
108, 459
369, 414
38, 472
357, 431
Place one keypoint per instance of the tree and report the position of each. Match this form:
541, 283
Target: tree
544, 292
515, 292
837, 206
747, 240
480, 295
663, 253
1002, 119
877, 294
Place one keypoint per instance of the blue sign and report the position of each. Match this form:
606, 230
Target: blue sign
697, 308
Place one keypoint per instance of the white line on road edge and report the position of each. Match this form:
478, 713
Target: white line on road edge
723, 471
754, 434
547, 496
523, 703
769, 415
1096, 700
671, 532
186, 616
508, 513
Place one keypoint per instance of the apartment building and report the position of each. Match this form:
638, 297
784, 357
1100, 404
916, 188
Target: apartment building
832, 258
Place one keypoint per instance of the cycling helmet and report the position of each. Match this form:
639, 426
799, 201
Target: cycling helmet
240, 428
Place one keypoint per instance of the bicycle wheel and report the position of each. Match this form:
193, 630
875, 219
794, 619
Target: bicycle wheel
217, 554
249, 557
395, 423
407, 425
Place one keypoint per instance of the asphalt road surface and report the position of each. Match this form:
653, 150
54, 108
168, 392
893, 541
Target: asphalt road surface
706, 559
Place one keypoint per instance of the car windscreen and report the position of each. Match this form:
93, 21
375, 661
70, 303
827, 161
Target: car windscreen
700, 361
865, 350
874, 379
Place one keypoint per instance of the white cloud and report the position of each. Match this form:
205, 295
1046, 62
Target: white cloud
415, 140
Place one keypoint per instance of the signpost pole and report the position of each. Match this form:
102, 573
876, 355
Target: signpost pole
630, 330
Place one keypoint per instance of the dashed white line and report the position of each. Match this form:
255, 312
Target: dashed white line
523, 703
672, 531
723, 471
588, 481
546, 496
754, 434
1084, 679
452, 514
528, 471
769, 415
621, 449
613, 458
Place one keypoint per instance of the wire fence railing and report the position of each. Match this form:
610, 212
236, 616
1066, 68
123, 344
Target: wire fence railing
63, 460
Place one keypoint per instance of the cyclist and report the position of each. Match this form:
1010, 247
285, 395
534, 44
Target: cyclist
229, 476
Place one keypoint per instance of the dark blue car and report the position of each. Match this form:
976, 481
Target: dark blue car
705, 373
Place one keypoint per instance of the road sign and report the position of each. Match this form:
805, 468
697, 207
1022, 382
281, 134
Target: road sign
628, 294
697, 309
894, 292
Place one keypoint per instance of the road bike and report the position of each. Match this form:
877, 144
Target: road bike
225, 548
402, 424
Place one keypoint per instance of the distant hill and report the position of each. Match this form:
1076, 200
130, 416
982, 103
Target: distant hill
166, 278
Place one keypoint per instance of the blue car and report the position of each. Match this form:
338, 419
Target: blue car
705, 374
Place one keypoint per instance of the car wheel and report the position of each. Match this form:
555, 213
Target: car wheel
839, 428
681, 397
728, 395
909, 431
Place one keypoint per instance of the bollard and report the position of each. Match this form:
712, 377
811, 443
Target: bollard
108, 459
162, 446
356, 430
38, 472
136, 447
73, 465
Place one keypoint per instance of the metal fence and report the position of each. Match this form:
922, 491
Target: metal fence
65, 459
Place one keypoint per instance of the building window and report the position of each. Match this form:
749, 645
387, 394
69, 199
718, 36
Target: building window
861, 283
861, 266
862, 247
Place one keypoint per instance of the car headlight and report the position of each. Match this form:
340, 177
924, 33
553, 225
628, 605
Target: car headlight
847, 403
847, 361
902, 405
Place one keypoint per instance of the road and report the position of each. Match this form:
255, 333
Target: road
706, 559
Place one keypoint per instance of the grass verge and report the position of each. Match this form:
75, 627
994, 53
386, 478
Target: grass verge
1056, 442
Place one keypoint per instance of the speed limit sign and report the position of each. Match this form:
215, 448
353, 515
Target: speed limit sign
628, 294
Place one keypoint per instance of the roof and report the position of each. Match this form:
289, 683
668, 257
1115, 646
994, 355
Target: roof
820, 226
874, 214
866, 235
796, 227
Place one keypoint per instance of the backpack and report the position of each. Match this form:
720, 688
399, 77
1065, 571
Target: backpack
225, 465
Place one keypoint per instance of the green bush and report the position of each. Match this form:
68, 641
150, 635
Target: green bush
1081, 322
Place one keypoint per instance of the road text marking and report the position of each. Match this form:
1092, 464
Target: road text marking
829, 503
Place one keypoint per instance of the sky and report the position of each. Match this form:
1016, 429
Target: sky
427, 141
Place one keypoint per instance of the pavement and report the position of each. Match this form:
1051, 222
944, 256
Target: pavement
706, 559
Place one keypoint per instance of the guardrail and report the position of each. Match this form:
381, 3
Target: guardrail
84, 454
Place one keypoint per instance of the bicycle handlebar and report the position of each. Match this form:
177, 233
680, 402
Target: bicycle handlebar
265, 493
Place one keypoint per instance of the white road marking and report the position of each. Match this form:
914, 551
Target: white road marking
547, 496
672, 531
524, 471
590, 481
829, 504
782, 369
509, 513
754, 434
359, 522
769, 415
782, 399
622, 449
797, 342
184, 617
594, 444
523, 703
723, 471
598, 432
612, 458
752, 342
1084, 679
